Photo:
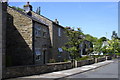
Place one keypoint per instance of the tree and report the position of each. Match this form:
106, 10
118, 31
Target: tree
75, 38
91, 40
98, 45
103, 39
112, 47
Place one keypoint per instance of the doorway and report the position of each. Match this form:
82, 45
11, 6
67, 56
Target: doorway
44, 56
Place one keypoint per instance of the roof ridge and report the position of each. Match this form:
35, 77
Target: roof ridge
48, 19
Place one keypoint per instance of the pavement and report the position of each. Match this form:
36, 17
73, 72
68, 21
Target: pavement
107, 71
67, 73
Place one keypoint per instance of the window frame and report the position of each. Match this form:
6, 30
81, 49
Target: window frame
59, 32
37, 31
38, 57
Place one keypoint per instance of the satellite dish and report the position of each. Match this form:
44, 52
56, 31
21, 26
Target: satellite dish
27, 9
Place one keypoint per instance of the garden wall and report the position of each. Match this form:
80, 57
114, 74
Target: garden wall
19, 71
100, 59
35, 69
85, 62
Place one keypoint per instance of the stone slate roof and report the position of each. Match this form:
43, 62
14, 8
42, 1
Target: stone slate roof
36, 19
31, 17
51, 21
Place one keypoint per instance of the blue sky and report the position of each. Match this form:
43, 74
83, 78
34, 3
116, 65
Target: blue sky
94, 18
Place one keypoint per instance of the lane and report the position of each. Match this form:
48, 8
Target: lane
108, 71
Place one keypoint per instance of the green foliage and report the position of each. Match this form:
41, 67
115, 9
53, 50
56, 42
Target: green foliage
118, 54
52, 61
72, 46
83, 58
17, 8
114, 46
103, 39
98, 45
66, 60
90, 38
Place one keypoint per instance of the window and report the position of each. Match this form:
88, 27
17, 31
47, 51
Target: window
38, 57
44, 34
38, 31
60, 49
38, 54
38, 27
59, 31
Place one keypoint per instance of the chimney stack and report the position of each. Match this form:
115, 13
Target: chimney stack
56, 21
28, 9
38, 10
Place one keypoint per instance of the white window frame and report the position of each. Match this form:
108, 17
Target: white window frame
59, 32
38, 54
60, 49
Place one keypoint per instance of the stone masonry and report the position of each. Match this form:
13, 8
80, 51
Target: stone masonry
56, 41
41, 43
21, 42
19, 48
2, 38
28, 40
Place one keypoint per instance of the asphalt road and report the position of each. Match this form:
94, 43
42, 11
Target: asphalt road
108, 71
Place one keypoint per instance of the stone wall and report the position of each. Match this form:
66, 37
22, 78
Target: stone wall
50, 26
100, 59
40, 69
36, 69
56, 42
59, 42
47, 22
19, 39
42, 43
3, 15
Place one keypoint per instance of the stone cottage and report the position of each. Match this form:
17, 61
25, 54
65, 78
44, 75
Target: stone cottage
27, 39
33, 39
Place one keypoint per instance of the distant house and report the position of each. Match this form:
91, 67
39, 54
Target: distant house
85, 46
105, 43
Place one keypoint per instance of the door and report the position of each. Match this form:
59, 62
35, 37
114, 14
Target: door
44, 57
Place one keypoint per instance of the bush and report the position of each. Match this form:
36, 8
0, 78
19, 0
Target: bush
83, 58
66, 60
97, 56
52, 61
118, 54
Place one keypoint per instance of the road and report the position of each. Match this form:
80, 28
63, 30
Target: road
108, 71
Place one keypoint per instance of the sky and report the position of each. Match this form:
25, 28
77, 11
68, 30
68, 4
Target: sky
98, 19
